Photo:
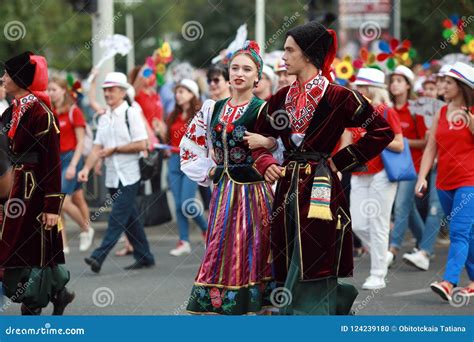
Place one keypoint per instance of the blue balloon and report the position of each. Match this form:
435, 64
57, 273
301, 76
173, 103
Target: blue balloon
147, 73
383, 45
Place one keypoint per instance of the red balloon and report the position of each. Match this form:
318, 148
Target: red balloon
447, 23
394, 44
382, 56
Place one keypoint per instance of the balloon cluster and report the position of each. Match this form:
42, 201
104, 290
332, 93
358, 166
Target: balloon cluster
74, 87
345, 69
155, 65
453, 29
454, 33
396, 53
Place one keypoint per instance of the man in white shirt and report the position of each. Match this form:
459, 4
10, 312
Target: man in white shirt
121, 136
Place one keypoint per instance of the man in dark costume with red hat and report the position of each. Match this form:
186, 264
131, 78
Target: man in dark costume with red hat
311, 227
30, 241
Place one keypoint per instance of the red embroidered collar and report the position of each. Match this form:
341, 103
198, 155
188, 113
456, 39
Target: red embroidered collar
20, 106
301, 105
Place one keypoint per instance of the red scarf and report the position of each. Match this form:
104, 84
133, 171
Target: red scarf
301, 105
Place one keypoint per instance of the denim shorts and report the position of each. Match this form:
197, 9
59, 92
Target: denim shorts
69, 186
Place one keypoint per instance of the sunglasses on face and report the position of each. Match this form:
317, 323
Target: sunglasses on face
215, 80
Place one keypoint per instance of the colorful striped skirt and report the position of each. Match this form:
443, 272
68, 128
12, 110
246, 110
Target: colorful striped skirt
235, 276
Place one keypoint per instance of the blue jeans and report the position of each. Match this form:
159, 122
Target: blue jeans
406, 214
458, 205
125, 218
434, 218
184, 193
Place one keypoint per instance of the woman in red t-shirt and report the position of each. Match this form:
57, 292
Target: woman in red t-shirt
406, 214
72, 126
372, 194
183, 188
453, 144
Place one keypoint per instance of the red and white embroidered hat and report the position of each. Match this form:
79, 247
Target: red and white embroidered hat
115, 79
370, 77
462, 72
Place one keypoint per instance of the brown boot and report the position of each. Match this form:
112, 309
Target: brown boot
27, 311
62, 299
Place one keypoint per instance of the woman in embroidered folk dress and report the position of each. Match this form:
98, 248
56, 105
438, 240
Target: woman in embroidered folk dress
235, 274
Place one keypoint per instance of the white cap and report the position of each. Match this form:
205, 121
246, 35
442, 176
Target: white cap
269, 72
190, 85
462, 72
115, 79
444, 69
280, 65
371, 77
405, 71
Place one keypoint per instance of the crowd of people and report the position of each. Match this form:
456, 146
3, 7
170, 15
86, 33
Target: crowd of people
286, 161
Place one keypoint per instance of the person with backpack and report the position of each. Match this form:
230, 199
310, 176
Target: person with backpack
120, 137
73, 128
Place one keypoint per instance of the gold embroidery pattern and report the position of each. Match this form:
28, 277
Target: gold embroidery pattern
30, 184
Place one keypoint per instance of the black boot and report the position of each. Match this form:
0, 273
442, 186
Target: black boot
62, 299
27, 311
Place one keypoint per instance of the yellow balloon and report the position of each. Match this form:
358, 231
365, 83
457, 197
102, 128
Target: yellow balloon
165, 50
160, 68
470, 46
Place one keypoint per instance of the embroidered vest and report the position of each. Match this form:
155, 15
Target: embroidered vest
231, 153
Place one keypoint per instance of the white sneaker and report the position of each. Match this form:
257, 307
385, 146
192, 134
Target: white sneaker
86, 239
418, 259
183, 247
374, 283
390, 259
66, 250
